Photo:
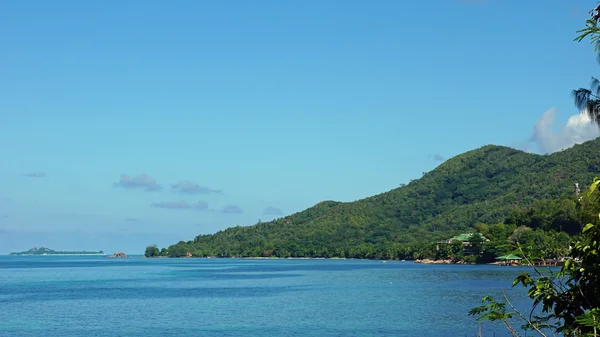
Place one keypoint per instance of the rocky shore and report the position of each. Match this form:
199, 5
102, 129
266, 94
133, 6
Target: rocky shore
449, 261
119, 255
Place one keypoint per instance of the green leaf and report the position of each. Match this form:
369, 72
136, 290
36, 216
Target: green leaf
593, 187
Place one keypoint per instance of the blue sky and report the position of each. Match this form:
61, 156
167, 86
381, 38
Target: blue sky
124, 124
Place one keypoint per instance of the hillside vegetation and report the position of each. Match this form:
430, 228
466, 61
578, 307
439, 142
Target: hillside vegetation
489, 185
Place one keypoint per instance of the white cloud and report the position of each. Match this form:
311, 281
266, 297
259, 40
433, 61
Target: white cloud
579, 129
140, 181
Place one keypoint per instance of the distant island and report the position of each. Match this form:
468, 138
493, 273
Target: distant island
48, 251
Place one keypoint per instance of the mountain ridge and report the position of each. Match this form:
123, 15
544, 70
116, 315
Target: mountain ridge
483, 185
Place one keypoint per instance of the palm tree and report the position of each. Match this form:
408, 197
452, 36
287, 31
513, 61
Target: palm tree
588, 100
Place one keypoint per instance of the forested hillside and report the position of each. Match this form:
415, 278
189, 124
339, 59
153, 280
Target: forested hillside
489, 185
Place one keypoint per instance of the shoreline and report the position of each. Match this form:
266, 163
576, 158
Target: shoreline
266, 258
448, 261
420, 261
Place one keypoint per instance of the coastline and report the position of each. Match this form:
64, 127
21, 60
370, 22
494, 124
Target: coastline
419, 261
448, 261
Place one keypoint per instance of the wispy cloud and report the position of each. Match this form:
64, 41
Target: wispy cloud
232, 209
188, 187
272, 211
34, 174
474, 2
200, 205
436, 157
140, 181
578, 129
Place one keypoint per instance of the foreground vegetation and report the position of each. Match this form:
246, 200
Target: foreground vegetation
503, 193
565, 302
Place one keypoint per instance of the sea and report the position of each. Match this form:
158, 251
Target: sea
56, 296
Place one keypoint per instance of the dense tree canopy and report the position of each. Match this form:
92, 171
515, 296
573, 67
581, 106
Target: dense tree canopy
494, 188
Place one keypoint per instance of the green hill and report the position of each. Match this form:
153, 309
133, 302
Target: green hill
485, 185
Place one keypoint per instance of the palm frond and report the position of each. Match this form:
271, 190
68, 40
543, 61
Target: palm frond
593, 110
595, 86
582, 98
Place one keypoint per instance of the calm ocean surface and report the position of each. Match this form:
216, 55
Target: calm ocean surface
97, 296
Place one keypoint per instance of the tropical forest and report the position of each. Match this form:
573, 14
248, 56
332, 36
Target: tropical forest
508, 196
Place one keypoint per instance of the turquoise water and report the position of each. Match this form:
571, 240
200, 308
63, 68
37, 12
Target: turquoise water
96, 296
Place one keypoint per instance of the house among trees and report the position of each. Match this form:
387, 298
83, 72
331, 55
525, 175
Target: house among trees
509, 260
467, 243
465, 238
